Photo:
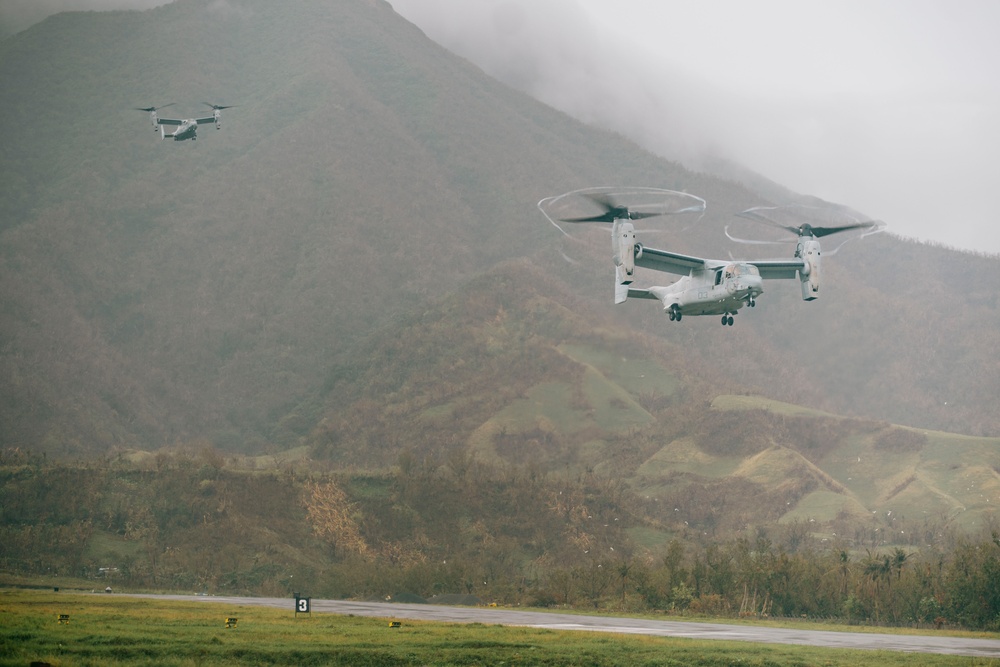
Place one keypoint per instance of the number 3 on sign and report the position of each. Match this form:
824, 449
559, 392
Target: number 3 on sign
302, 605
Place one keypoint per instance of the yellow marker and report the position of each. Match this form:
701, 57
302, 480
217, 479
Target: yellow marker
394, 624
231, 622
64, 619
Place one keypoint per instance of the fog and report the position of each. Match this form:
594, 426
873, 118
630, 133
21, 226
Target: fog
17, 15
887, 106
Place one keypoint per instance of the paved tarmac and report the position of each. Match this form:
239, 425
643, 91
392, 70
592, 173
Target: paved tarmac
985, 648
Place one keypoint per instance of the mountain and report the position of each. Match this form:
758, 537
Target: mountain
234, 288
506, 377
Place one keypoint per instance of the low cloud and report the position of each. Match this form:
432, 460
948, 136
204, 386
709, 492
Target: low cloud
884, 106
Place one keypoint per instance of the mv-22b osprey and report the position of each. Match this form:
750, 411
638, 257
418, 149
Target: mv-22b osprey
187, 128
705, 286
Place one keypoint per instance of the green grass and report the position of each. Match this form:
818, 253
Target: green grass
649, 538
637, 374
102, 544
113, 630
546, 405
685, 455
741, 402
948, 475
824, 506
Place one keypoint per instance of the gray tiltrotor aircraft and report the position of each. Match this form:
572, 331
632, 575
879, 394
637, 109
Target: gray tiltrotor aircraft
187, 128
705, 286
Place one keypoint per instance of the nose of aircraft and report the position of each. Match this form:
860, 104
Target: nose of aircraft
745, 286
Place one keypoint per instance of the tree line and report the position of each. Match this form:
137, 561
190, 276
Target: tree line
505, 534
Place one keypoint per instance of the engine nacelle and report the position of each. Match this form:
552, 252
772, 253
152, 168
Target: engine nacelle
218, 119
623, 245
809, 252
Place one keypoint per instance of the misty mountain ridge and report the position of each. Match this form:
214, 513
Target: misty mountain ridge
255, 286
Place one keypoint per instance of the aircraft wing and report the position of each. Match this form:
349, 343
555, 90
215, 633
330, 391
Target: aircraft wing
673, 262
169, 121
778, 268
682, 265
202, 121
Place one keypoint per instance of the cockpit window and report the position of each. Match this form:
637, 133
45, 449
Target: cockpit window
741, 270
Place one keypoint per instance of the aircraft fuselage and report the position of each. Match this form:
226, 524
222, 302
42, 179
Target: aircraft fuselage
718, 291
186, 130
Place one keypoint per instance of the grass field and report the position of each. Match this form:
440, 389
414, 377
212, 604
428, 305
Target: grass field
114, 630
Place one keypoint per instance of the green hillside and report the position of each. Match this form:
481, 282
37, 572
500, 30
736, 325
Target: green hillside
851, 475
695, 530
499, 376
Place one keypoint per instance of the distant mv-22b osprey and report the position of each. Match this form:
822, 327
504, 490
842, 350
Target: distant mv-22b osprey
187, 128
706, 286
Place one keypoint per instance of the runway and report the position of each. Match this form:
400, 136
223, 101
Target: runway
982, 648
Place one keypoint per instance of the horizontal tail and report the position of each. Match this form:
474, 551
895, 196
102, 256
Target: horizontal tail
624, 292
621, 292
621, 285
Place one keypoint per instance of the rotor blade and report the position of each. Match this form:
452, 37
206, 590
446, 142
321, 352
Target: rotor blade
876, 228
602, 199
617, 203
604, 217
826, 231
642, 215
620, 213
760, 214
613, 210
218, 107
831, 253
148, 109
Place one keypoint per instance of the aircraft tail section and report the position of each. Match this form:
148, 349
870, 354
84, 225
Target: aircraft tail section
640, 293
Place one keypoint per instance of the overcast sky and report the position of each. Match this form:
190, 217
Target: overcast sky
891, 107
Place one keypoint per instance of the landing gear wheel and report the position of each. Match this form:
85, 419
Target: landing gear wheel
727, 320
730, 321
675, 313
